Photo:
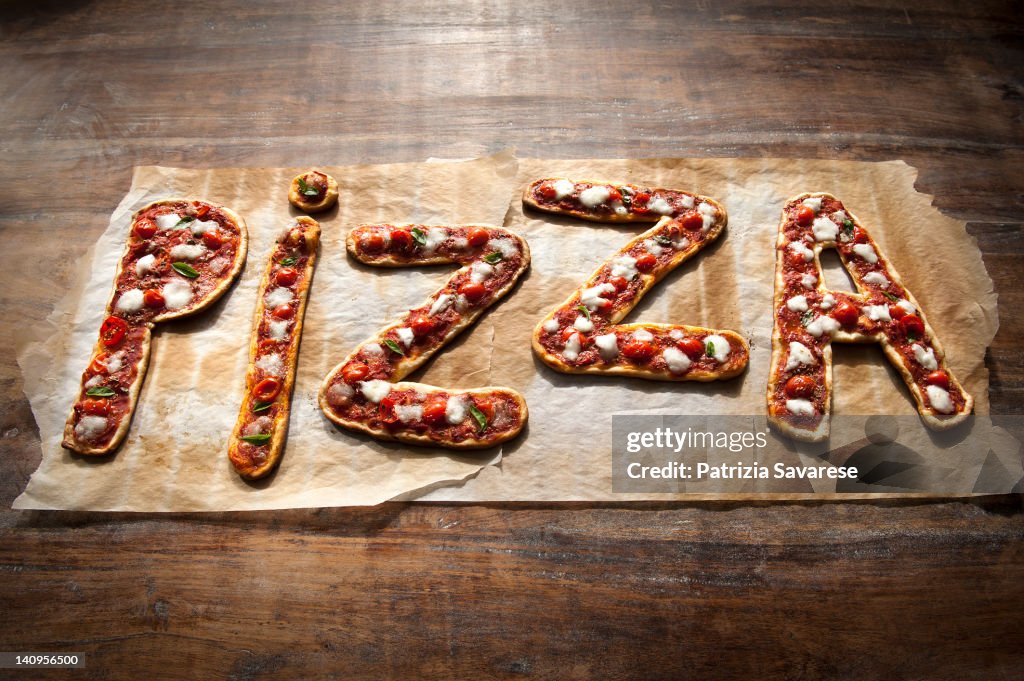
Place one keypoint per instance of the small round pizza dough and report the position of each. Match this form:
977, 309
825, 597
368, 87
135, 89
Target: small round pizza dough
326, 197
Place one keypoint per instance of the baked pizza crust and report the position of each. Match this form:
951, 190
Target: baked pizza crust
301, 202
613, 217
279, 431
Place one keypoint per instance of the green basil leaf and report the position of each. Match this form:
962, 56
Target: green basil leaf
394, 346
306, 189
481, 420
911, 336
261, 406
288, 262
584, 310
100, 391
182, 222
710, 349
890, 296
492, 257
806, 318
256, 439
185, 270
663, 240
848, 225
419, 236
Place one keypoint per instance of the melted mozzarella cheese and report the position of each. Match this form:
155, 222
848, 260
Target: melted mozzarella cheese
925, 357
866, 252
187, 251
685, 200
828, 301
480, 271
708, 212
408, 413
839, 217
177, 294
906, 306
608, 346
279, 296
809, 280
800, 248
506, 247
592, 297
722, 347
877, 313
94, 381
797, 303
167, 221
824, 229
798, 354
939, 399
90, 427
201, 227
680, 243
435, 236
551, 325
800, 407
659, 205
373, 349
261, 426
405, 335
459, 243
461, 303
563, 188
643, 335
278, 330
272, 364
594, 196
340, 393
619, 209
455, 412
583, 324
572, 348
130, 301
375, 390
823, 324
676, 360
876, 278
814, 203
624, 266
115, 362
653, 247
441, 304
145, 265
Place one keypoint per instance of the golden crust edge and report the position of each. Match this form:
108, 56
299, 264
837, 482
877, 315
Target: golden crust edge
297, 200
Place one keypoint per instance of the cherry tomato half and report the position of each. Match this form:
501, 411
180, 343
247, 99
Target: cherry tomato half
145, 228
213, 239
112, 331
153, 298
486, 406
477, 236
435, 410
546, 191
422, 326
692, 221
897, 312
912, 325
286, 276
401, 240
692, 347
646, 262
939, 378
474, 292
355, 371
95, 407
372, 243
804, 215
845, 314
267, 389
620, 283
800, 386
285, 311
202, 209
638, 350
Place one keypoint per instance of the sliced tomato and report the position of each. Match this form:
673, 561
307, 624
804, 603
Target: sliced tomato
692, 347
96, 407
285, 311
897, 312
646, 262
213, 239
859, 235
113, 330
614, 195
938, 378
620, 283
99, 363
401, 240
800, 386
144, 228
473, 291
422, 326
387, 411
355, 371
202, 209
845, 314
435, 410
912, 325
692, 221
477, 236
286, 276
485, 405
638, 350
639, 202
804, 215
267, 389
546, 191
373, 242
153, 298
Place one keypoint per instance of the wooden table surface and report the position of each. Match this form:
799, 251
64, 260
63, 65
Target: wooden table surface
563, 591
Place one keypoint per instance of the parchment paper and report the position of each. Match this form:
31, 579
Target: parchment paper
174, 459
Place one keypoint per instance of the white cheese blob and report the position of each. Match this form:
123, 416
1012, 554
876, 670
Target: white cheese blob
866, 252
278, 330
90, 427
707, 212
797, 303
799, 354
260, 426
906, 306
876, 278
572, 348
721, 347
407, 413
809, 280
480, 271
145, 265
680, 243
435, 237
939, 399
594, 196
279, 296
272, 364
375, 390
824, 229
115, 362
592, 297
441, 304
94, 381
624, 266
130, 301
877, 313
460, 243
177, 294
405, 335
676, 360
201, 227
619, 209
814, 203
563, 188
685, 200
507, 247
583, 324
828, 301
925, 358
659, 205
607, 346
461, 303
187, 251
800, 248
167, 221
800, 407
822, 325
653, 247
551, 325
340, 393
643, 335
839, 217
373, 349
455, 412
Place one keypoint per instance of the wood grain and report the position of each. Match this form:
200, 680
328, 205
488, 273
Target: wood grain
92, 88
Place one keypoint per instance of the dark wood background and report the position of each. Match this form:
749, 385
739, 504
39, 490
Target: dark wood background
563, 591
